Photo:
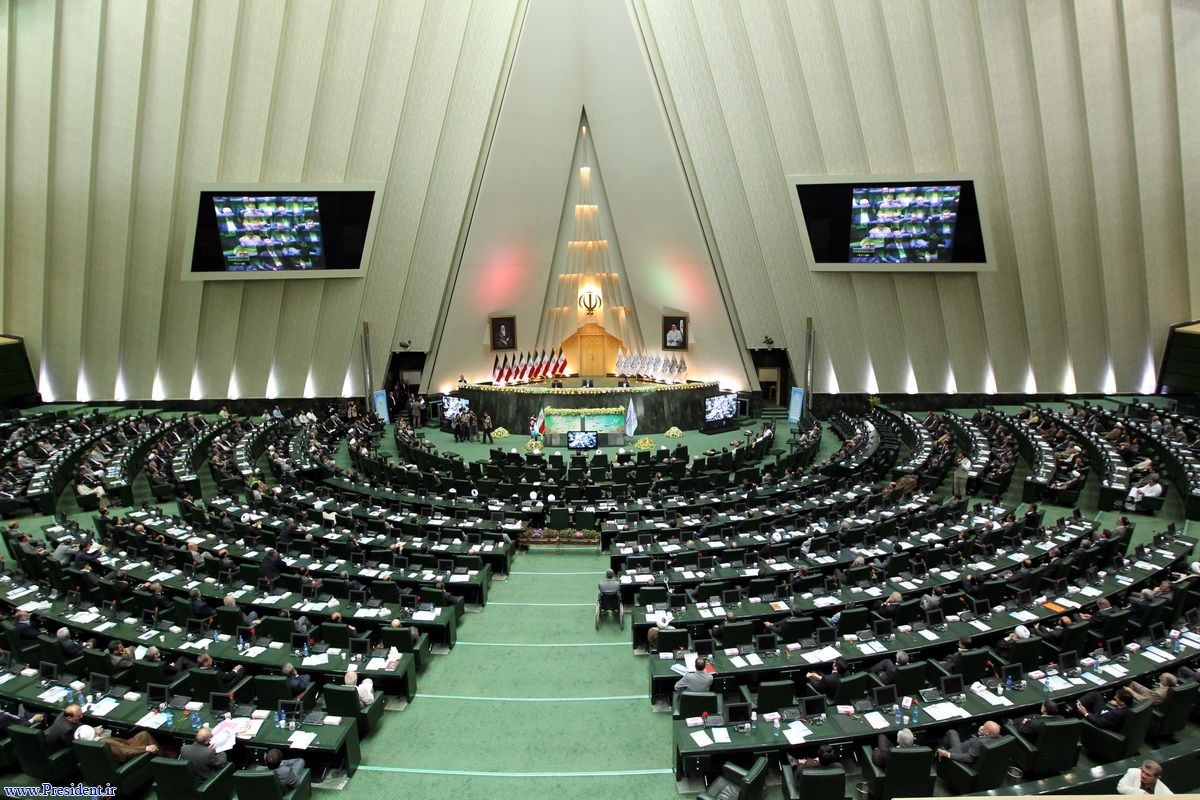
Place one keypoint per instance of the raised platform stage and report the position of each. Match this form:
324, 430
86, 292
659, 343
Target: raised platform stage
658, 406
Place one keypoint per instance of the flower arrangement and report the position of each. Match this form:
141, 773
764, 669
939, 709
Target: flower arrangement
644, 443
673, 433
500, 433
873, 400
531, 446
583, 412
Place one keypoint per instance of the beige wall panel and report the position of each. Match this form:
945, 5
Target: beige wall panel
1110, 144
438, 50
6, 36
354, 133
298, 310
969, 106
462, 146
1069, 181
1151, 74
1010, 71
168, 48
115, 153
303, 55
29, 157
962, 313
254, 101
215, 33
1185, 31
920, 91
71, 186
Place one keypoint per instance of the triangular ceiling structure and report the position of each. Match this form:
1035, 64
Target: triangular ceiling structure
570, 55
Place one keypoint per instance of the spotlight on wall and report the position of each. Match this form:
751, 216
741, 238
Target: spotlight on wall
768, 341
404, 345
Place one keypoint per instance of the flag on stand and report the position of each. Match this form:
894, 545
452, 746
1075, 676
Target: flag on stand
540, 425
561, 365
496, 369
630, 420
504, 369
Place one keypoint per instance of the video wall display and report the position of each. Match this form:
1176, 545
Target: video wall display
720, 407
299, 233
903, 225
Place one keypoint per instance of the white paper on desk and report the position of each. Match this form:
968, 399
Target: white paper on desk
704, 613
1065, 603
255, 652
1116, 670
300, 740
795, 735
1058, 683
1094, 678
1023, 616
148, 635
376, 664
825, 601
992, 698
930, 635
754, 659
827, 653
424, 616
152, 719
1090, 591
701, 738
367, 612
720, 735
313, 661
876, 720
949, 575
85, 617
1156, 657
6, 677
104, 706
781, 566
459, 578
942, 711
738, 661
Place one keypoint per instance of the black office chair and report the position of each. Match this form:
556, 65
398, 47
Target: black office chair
610, 604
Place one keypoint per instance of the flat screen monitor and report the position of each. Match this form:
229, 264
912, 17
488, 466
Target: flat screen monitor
678, 600
1192, 616
149, 617
220, 702
731, 597
289, 707
1013, 672
826, 636
1068, 660
582, 440
706, 563
882, 627
246, 634
885, 696
358, 596
157, 693
935, 617
408, 601
720, 407
99, 683
1024, 597
982, 608
195, 626
299, 641
645, 539
703, 647
1158, 632
796, 405
891, 224
766, 641
737, 713
445, 565
453, 407
257, 231
359, 646
814, 706
1114, 646
952, 685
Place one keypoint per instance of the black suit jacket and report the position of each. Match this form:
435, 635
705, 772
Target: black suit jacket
60, 734
203, 760
1110, 718
69, 648
1030, 727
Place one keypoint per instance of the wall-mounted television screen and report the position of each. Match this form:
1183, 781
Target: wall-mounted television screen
720, 407
906, 224
304, 230
582, 440
453, 406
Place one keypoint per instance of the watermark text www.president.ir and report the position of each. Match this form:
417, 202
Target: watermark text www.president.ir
70, 790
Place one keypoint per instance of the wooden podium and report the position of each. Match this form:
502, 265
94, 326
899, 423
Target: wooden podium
592, 350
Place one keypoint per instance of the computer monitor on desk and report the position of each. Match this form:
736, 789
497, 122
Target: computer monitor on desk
99, 683
359, 646
245, 633
1012, 673
1115, 647
952, 686
678, 600
703, 647
935, 618
826, 636
706, 563
766, 642
299, 641
814, 706
882, 628
220, 702
290, 707
1068, 662
157, 693
737, 713
1024, 598
731, 597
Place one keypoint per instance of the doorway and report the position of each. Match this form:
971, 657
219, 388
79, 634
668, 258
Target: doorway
774, 375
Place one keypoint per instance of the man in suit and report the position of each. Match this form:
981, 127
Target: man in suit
955, 749
828, 684
272, 564
610, 584
200, 755
118, 656
883, 746
25, 629
296, 682
61, 732
228, 677
1158, 694
1108, 716
287, 771
698, 681
70, 649
1031, 726
199, 606
885, 669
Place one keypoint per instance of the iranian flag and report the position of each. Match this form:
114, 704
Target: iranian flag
539, 371
540, 425
560, 366
496, 369
504, 370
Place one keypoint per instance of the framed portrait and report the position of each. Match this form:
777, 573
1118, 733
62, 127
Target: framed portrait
502, 333
675, 332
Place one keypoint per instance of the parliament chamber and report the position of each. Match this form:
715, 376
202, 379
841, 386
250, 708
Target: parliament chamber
566, 399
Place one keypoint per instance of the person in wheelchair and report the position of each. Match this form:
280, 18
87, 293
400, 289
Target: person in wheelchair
610, 599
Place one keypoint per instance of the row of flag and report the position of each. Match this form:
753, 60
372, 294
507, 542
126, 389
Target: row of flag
527, 367
659, 367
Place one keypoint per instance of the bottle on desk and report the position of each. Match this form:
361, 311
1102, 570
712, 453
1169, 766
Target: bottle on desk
915, 712
777, 728
898, 715
753, 720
